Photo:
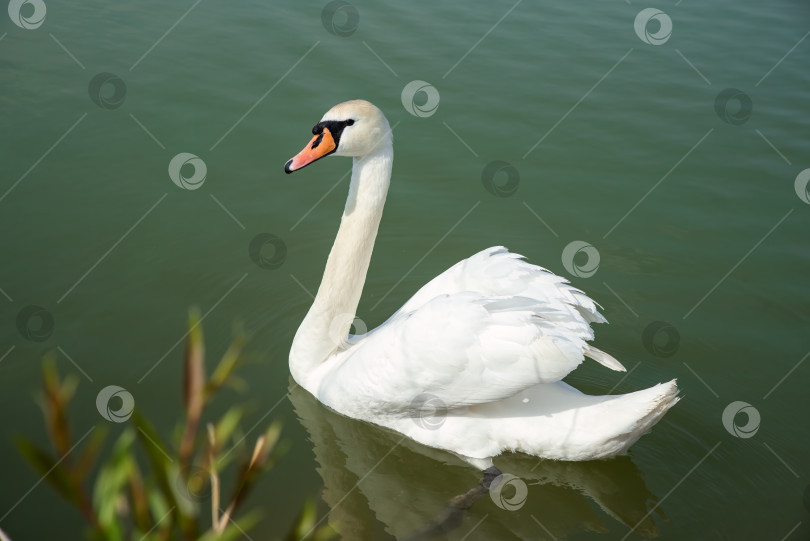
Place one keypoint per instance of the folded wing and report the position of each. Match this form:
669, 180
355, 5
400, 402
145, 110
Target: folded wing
487, 328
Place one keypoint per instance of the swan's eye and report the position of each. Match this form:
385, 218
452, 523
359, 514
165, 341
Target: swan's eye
350, 122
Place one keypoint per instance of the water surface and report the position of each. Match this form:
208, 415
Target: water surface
694, 215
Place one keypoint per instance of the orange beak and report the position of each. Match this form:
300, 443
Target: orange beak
321, 145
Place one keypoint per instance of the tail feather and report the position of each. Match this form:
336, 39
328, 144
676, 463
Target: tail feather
604, 359
666, 397
558, 422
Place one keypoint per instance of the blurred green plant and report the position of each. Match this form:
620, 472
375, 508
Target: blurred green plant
163, 499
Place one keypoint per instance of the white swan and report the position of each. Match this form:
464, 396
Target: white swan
473, 362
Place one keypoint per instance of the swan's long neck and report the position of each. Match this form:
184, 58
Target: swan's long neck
327, 324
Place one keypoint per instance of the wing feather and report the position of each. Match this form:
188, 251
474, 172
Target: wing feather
485, 329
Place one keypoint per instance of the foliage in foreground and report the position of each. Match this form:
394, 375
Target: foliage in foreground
148, 491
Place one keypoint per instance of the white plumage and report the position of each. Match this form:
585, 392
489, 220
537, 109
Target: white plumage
473, 362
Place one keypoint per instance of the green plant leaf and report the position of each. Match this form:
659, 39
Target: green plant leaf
271, 437
224, 370
152, 506
193, 387
161, 511
89, 454
305, 523
251, 470
193, 364
235, 528
159, 462
140, 503
55, 399
109, 494
226, 426
166, 472
56, 475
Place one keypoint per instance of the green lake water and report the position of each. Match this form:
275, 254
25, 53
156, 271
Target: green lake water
622, 136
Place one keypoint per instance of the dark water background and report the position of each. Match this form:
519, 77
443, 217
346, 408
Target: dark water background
687, 193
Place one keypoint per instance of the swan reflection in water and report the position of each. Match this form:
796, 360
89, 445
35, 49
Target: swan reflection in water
372, 475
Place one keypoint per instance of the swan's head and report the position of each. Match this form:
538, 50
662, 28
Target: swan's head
353, 128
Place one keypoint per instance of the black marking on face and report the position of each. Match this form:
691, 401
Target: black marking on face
335, 127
